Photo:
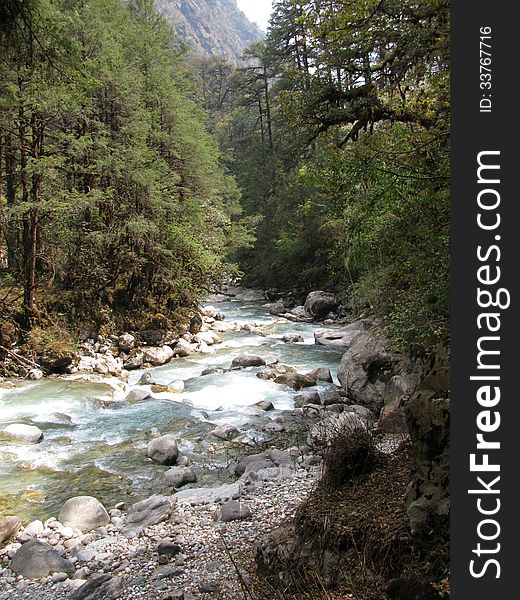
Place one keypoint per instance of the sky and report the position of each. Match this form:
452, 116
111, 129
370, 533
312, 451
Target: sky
257, 11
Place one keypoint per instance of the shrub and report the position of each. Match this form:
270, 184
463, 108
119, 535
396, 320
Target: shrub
349, 454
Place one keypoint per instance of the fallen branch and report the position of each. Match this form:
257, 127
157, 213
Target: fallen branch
26, 363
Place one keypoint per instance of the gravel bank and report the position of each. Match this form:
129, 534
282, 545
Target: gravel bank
201, 558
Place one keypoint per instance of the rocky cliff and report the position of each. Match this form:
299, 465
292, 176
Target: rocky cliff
214, 27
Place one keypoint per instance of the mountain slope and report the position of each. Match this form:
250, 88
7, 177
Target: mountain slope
214, 27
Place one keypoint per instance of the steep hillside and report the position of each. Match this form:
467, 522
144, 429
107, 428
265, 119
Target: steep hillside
215, 27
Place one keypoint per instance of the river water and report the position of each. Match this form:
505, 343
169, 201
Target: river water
94, 450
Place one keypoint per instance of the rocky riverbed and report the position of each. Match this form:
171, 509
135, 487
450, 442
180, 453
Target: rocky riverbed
203, 549
158, 483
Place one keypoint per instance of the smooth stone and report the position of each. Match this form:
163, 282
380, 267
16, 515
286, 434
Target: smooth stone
84, 513
25, 434
247, 360
163, 450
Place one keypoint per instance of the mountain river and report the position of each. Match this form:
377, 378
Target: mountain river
100, 450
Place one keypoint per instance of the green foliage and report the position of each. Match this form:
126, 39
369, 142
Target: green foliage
128, 196
340, 143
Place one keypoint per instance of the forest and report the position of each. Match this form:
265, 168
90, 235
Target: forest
136, 175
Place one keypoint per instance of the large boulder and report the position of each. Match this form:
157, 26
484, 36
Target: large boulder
9, 527
247, 360
24, 434
320, 374
137, 395
306, 398
163, 450
146, 513
366, 368
428, 417
84, 513
277, 308
35, 560
158, 356
319, 304
225, 432
341, 338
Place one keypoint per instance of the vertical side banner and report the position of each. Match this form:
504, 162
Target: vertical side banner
485, 309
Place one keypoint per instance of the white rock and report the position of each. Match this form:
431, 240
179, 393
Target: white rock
28, 434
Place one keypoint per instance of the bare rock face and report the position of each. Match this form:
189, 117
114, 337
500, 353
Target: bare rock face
211, 28
284, 558
428, 417
366, 368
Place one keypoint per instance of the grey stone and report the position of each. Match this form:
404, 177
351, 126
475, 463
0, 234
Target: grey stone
319, 303
265, 405
137, 395
233, 511
99, 587
309, 397
225, 432
247, 360
180, 476
292, 338
320, 374
146, 379
210, 495
35, 560
151, 511
330, 395
84, 512
211, 371
266, 459
163, 450
342, 338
